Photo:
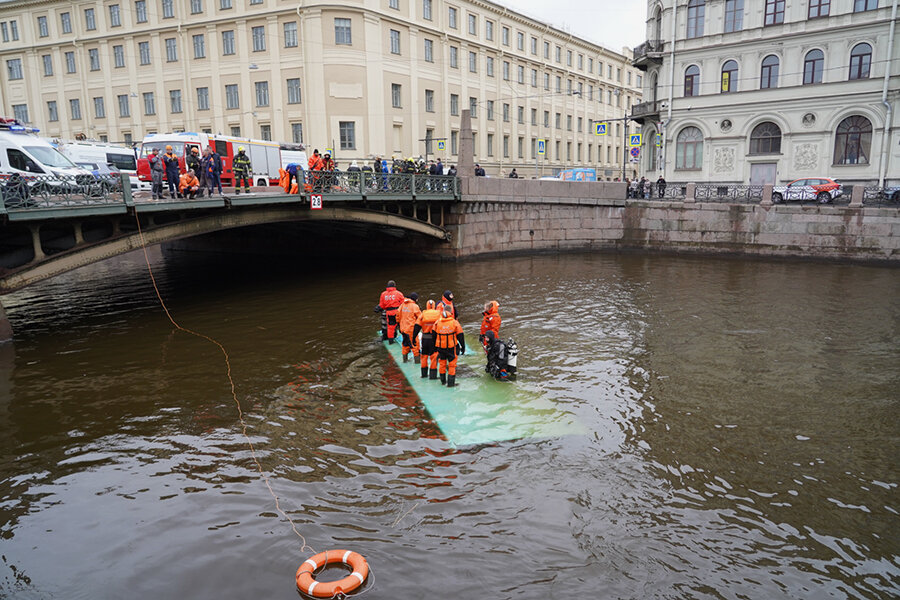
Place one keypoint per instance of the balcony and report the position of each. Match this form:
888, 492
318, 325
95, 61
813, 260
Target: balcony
648, 53
648, 111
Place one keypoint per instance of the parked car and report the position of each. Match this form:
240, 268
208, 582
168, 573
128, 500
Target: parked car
106, 173
820, 189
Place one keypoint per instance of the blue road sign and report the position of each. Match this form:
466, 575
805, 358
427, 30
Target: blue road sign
600, 128
542, 147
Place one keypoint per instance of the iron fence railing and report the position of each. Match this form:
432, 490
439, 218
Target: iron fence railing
57, 191
369, 183
877, 196
712, 192
667, 191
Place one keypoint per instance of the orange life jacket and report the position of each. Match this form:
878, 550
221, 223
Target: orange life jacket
427, 319
391, 299
447, 328
447, 304
407, 315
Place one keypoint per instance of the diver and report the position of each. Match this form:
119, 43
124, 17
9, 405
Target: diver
501, 357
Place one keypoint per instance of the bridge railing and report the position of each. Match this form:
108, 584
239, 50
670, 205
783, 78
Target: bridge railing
57, 191
368, 183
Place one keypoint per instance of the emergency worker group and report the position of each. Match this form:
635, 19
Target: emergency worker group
434, 336
202, 173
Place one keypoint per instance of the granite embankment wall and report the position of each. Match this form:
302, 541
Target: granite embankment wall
501, 215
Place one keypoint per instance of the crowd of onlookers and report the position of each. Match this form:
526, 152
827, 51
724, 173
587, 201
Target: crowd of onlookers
643, 188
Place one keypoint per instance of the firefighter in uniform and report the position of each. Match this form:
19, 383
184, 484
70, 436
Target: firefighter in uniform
391, 299
425, 325
450, 343
240, 164
407, 315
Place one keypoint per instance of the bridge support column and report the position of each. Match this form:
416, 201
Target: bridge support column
36, 242
6, 333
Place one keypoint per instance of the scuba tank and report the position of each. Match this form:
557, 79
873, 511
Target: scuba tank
512, 351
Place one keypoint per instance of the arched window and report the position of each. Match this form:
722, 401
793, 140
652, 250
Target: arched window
860, 61
729, 76
657, 25
692, 81
813, 65
853, 141
765, 139
654, 83
768, 77
689, 149
695, 14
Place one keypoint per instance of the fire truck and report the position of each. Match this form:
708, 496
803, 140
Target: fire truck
265, 156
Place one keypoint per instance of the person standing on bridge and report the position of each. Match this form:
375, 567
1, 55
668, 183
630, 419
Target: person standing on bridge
241, 167
156, 174
213, 168
388, 304
407, 315
450, 343
172, 172
427, 351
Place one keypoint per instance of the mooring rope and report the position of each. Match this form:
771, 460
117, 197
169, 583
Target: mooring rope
237, 403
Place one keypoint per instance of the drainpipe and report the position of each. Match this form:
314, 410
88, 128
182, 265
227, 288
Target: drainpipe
882, 166
665, 124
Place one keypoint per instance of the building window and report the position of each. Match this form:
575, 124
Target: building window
546, 118
66, 21
506, 146
168, 10
149, 103
124, 108
853, 141
863, 5
20, 112
199, 46
506, 70
70, 62
489, 66
395, 41
451, 18
860, 61
52, 112
489, 31
454, 57
14, 68
473, 62
236, 130
262, 93
569, 122
429, 51
473, 107
227, 43
224, 4
75, 109
43, 30
473, 25
171, 50
144, 52
692, 81
547, 50
265, 132
813, 67
196, 7
534, 45
454, 104
729, 76
520, 74
396, 98
48, 65
293, 91
769, 75
429, 101
490, 144
90, 22
558, 121
774, 12
765, 139
115, 16
347, 134
695, 17
505, 112
140, 11
546, 81
568, 58
175, 101
454, 142
342, 33
490, 110
94, 59
688, 149
297, 133
259, 38
232, 98
534, 120
426, 9
202, 98
395, 4
534, 78
290, 35
504, 36
119, 56
819, 8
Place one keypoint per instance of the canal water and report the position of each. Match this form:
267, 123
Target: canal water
737, 432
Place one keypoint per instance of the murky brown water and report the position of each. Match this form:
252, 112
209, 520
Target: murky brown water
742, 418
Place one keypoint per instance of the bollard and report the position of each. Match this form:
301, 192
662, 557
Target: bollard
689, 192
767, 195
856, 196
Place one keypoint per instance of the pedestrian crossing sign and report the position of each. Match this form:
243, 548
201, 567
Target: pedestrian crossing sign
658, 139
330, 152
634, 140
600, 128
542, 147
441, 145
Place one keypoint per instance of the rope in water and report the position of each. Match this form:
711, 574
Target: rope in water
237, 403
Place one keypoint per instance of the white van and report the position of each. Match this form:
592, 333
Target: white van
22, 152
121, 158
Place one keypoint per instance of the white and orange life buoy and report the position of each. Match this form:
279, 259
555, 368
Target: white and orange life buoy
308, 585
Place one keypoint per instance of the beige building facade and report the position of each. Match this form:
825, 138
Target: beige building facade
361, 77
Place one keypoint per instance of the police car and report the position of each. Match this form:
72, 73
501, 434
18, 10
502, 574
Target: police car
821, 189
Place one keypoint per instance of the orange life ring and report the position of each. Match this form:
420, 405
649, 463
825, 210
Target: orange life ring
311, 587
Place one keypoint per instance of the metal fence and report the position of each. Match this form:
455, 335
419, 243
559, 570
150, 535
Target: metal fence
737, 194
50, 191
876, 196
669, 191
368, 183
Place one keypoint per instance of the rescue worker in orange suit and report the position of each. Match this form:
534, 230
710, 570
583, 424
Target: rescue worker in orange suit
407, 315
490, 321
425, 325
447, 302
391, 299
450, 343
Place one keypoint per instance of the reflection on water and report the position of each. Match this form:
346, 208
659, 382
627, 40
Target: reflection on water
741, 423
